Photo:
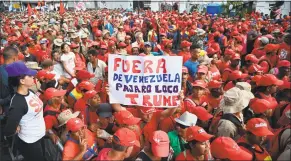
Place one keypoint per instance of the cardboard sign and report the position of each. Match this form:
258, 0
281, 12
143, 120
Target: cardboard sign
149, 81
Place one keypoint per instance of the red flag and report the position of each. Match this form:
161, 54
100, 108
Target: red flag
62, 8
29, 10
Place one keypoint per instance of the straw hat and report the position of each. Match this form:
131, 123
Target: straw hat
66, 115
58, 42
32, 65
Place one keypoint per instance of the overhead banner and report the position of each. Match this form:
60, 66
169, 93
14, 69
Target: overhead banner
149, 81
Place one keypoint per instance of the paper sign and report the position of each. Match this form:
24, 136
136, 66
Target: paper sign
149, 81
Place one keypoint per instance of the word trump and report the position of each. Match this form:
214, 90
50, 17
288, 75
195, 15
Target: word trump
145, 80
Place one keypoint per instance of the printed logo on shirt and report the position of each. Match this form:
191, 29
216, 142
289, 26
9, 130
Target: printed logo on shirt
35, 103
283, 54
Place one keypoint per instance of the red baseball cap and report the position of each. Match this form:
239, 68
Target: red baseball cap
160, 143
202, 69
285, 85
126, 137
201, 113
214, 84
74, 124
229, 52
238, 38
237, 75
258, 127
271, 48
235, 56
147, 110
184, 69
126, 117
252, 58
268, 80
197, 133
85, 85
260, 105
122, 45
89, 94
255, 68
43, 74
227, 148
111, 43
98, 33
185, 44
52, 92
84, 75
103, 47
199, 83
283, 63
74, 45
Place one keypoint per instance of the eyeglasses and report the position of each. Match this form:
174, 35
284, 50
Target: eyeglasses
185, 73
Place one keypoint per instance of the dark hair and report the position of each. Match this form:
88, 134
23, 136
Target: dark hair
63, 46
23, 47
15, 81
53, 53
194, 46
9, 52
116, 146
261, 88
92, 52
216, 38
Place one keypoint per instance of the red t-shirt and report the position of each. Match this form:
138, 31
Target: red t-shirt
42, 55
186, 55
100, 87
72, 149
187, 156
103, 155
51, 121
81, 106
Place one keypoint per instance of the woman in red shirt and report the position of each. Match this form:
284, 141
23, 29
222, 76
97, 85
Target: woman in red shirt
198, 140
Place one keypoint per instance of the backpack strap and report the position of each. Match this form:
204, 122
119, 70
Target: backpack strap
50, 113
233, 119
249, 147
280, 134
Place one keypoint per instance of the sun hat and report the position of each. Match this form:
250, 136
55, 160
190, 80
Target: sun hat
58, 42
235, 100
244, 86
66, 115
19, 68
187, 119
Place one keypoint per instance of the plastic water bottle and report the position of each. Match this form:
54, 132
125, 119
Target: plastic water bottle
60, 145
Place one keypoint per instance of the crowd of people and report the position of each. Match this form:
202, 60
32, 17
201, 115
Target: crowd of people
234, 102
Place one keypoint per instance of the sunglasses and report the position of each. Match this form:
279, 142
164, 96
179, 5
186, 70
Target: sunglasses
185, 73
181, 126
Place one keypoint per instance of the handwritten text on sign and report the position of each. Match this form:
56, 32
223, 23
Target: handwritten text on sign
145, 80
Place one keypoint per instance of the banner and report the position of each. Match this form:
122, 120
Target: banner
150, 81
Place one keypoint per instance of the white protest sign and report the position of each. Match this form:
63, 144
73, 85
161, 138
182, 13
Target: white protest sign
151, 81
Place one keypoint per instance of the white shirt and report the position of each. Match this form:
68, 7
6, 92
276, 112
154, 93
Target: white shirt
99, 71
69, 60
32, 125
58, 70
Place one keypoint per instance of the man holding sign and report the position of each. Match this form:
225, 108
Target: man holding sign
146, 82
